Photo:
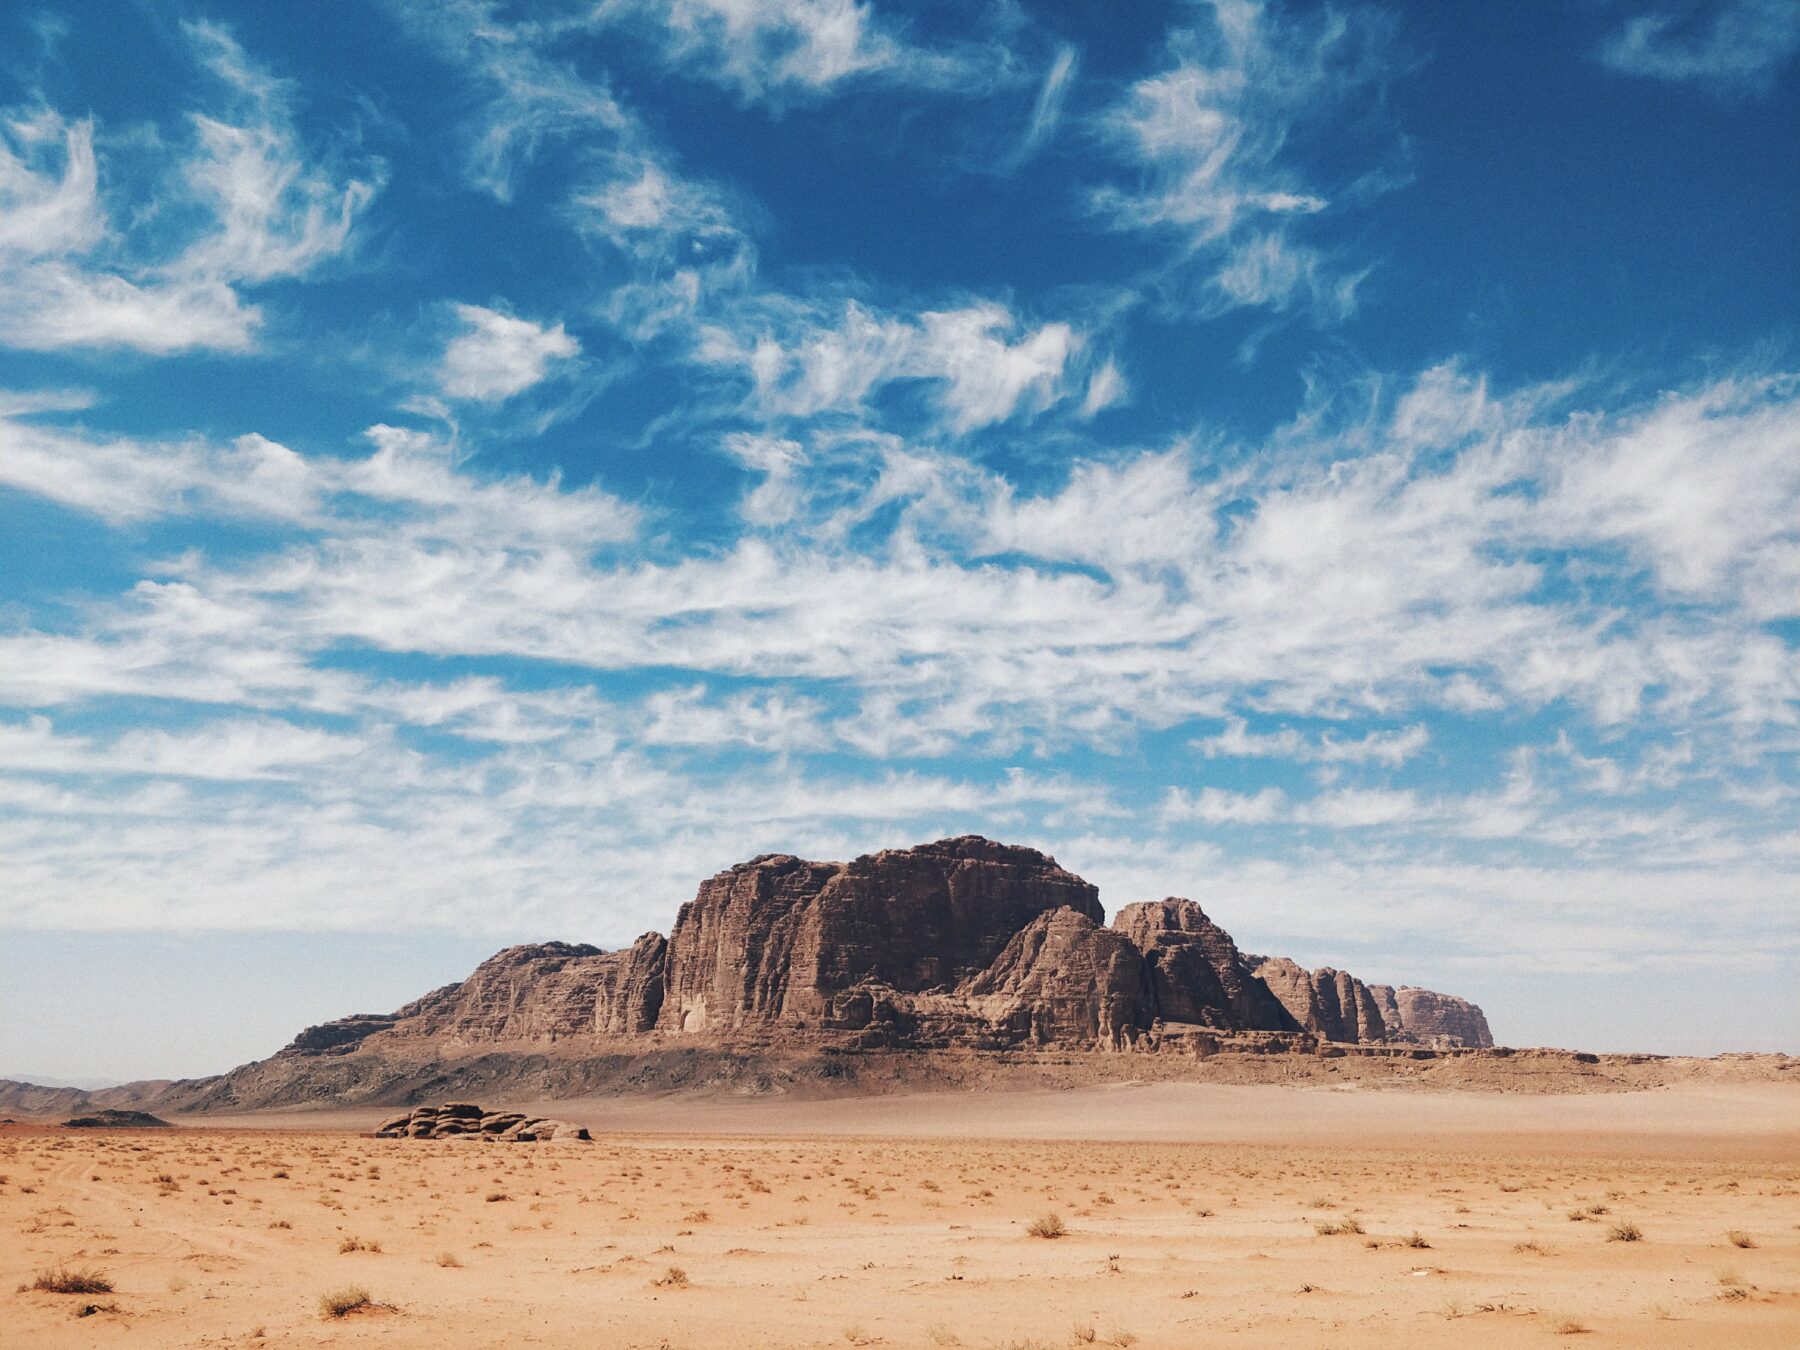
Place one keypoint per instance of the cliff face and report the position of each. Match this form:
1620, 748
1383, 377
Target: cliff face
1196, 971
1065, 980
963, 942
775, 940
1331, 1003
1433, 1019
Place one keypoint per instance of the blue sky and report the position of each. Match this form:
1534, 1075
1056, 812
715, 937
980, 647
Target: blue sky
469, 471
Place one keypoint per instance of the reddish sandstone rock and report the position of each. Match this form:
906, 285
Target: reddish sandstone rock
1066, 980
776, 941
1331, 1003
1196, 971
960, 944
1435, 1019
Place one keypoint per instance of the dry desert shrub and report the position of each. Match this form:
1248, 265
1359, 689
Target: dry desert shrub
65, 1280
1047, 1226
1624, 1232
356, 1244
1568, 1326
345, 1301
1416, 1239
1531, 1248
1343, 1227
1737, 1237
672, 1278
448, 1260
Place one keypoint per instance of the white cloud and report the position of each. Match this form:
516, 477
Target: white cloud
803, 361
497, 355
1047, 111
70, 277
532, 100
774, 50
1732, 44
430, 497
1360, 808
232, 750
1702, 489
44, 211
1215, 806
1211, 138
1139, 594
1107, 387
1237, 741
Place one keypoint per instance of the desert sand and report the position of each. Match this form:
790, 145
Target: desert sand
1194, 1215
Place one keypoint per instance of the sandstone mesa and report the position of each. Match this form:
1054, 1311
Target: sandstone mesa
959, 963
962, 943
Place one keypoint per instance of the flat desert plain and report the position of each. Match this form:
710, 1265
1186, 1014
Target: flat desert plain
1189, 1215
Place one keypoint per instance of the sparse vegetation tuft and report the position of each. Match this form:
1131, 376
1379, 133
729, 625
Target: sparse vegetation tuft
345, 1301
65, 1280
1737, 1237
1343, 1227
1047, 1226
672, 1278
1624, 1232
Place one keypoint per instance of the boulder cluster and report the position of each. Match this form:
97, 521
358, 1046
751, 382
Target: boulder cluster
458, 1120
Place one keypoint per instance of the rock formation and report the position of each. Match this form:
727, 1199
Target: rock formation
1065, 980
960, 943
1428, 1018
778, 941
465, 1120
1197, 974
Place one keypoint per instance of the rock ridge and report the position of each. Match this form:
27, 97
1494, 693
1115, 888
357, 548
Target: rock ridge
960, 943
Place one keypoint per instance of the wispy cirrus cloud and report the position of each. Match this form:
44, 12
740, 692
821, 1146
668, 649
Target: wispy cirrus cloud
1047, 111
774, 51
1732, 45
1237, 741
1211, 139
802, 360
418, 477
72, 277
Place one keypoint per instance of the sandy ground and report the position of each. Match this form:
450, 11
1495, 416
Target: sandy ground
1194, 1217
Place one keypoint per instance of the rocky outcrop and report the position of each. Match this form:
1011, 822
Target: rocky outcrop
465, 1120
1197, 974
1333, 1004
961, 944
775, 942
1424, 1017
1065, 980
